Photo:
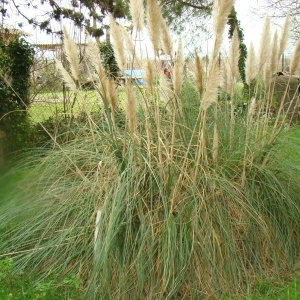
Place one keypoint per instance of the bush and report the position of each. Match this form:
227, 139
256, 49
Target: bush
16, 58
108, 59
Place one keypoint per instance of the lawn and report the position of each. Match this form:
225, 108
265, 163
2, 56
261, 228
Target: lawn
48, 105
53, 104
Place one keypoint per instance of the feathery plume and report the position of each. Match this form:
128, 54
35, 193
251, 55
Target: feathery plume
154, 23
228, 80
131, 108
221, 10
274, 55
166, 38
94, 58
96, 69
234, 54
92, 52
69, 81
128, 42
198, 74
111, 93
211, 94
232, 67
137, 13
166, 89
295, 59
117, 42
251, 110
264, 45
178, 68
251, 68
149, 73
284, 36
72, 54
225, 81
271, 65
267, 76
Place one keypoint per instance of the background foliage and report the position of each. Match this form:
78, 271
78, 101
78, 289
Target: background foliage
16, 59
233, 23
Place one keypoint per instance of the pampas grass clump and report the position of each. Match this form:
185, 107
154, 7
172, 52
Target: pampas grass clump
188, 200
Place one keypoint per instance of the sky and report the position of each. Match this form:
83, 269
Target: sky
250, 21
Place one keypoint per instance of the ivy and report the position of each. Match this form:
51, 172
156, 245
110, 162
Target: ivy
233, 23
16, 59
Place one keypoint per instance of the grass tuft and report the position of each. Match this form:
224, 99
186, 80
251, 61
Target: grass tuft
172, 195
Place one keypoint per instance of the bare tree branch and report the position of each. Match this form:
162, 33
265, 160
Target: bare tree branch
282, 8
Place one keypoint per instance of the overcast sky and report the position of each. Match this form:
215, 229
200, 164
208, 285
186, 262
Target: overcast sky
251, 23
250, 19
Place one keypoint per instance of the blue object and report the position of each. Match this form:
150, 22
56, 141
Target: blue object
136, 75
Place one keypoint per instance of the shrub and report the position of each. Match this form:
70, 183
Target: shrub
108, 59
16, 58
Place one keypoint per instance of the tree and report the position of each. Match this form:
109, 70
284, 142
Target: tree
188, 17
173, 10
184, 16
3, 9
108, 59
90, 13
87, 14
234, 23
281, 8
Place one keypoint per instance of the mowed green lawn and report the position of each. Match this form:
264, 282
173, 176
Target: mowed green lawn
55, 104
48, 105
